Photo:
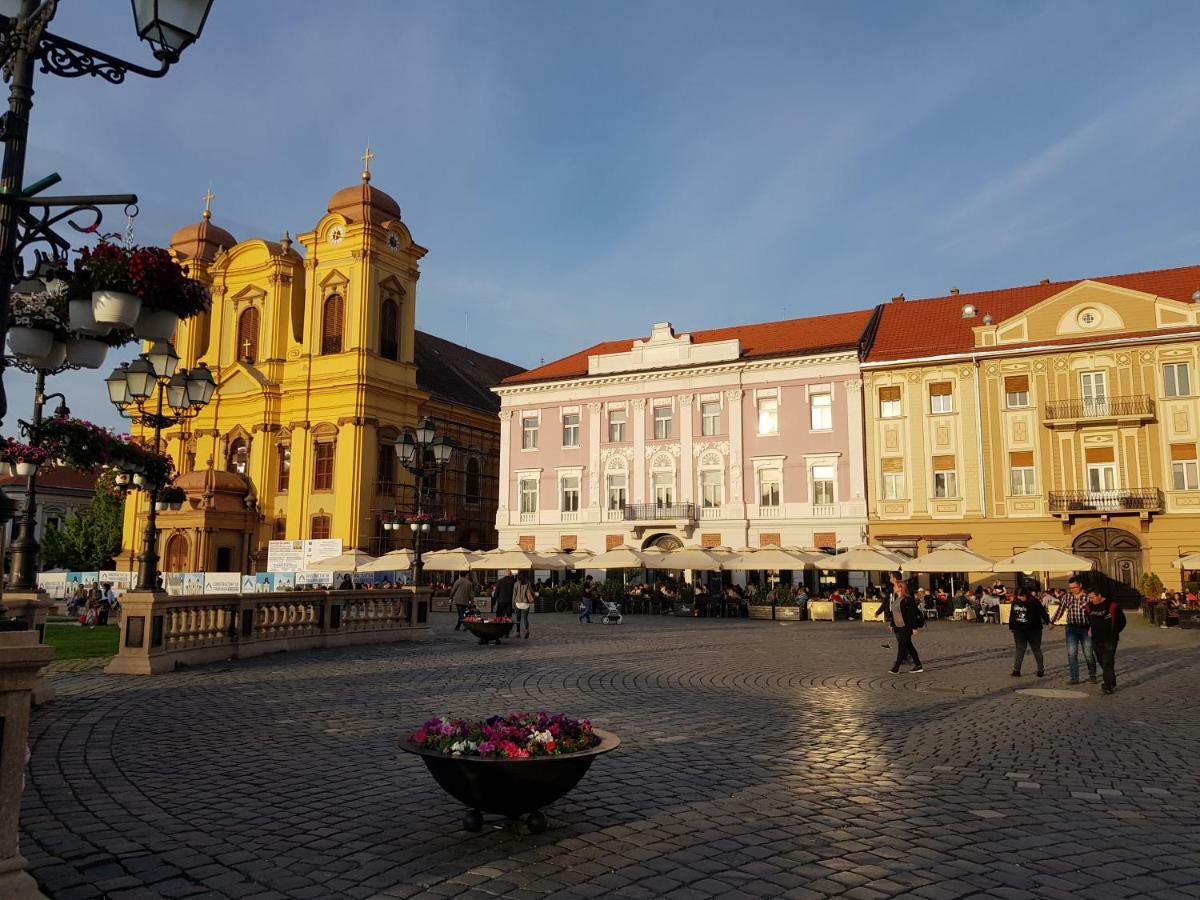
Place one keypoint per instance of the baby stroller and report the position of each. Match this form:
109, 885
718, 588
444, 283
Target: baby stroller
612, 613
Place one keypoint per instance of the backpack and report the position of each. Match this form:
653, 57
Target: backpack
919, 619
1118, 617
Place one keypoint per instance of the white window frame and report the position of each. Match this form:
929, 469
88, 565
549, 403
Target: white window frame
767, 406
528, 443
1008, 399
654, 487
610, 488
719, 484
768, 475
1022, 481
565, 427
522, 494
941, 404
670, 414
620, 426
1098, 469
1171, 385
1097, 402
945, 484
563, 504
710, 425
813, 481
891, 409
1185, 476
894, 487
820, 407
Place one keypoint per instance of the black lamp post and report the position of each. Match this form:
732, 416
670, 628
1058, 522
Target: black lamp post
169, 26
140, 391
424, 456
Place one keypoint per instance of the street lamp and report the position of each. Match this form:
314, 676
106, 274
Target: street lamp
168, 26
423, 455
131, 387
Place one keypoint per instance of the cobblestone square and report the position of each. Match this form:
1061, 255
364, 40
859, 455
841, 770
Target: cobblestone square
757, 759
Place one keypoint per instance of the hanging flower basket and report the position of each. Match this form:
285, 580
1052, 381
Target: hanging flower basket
155, 324
81, 319
86, 352
171, 497
510, 766
29, 342
51, 360
24, 458
116, 308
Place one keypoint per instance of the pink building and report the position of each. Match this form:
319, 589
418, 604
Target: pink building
736, 436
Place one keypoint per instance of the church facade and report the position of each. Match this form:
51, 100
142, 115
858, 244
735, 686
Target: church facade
319, 369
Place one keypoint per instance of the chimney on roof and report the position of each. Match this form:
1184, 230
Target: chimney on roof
899, 298
987, 319
1044, 281
953, 292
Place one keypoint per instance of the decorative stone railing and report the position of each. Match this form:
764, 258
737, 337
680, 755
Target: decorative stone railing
159, 632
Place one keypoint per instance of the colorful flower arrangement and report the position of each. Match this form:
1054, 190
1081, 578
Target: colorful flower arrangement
486, 620
420, 519
519, 735
13, 451
104, 267
88, 447
151, 273
46, 310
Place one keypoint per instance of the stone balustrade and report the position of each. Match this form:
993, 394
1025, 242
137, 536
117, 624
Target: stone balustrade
159, 631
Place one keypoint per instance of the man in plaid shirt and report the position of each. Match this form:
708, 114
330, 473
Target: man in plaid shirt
1075, 606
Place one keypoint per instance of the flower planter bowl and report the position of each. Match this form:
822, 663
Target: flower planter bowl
115, 308
81, 318
30, 342
7, 469
175, 505
26, 468
52, 360
510, 787
87, 353
155, 324
488, 632
758, 611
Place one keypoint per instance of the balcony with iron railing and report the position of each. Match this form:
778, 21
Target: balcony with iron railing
659, 512
1135, 407
1124, 500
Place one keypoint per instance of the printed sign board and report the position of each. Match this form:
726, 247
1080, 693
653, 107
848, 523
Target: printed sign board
222, 582
296, 556
314, 579
193, 584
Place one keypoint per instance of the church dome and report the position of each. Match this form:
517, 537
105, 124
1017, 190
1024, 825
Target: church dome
363, 203
202, 240
216, 480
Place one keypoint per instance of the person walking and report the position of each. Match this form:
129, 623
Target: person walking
1025, 621
523, 597
906, 620
462, 593
1074, 605
502, 596
587, 602
1106, 620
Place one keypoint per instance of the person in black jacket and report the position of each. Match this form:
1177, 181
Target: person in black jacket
1106, 620
905, 618
502, 596
1025, 621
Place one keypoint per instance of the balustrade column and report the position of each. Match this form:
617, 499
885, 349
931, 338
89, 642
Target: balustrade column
595, 509
637, 474
687, 479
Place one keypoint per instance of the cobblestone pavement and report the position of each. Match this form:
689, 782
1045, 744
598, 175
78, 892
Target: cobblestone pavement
757, 760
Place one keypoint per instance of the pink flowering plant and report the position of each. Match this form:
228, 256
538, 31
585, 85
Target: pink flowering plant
471, 620
13, 451
519, 735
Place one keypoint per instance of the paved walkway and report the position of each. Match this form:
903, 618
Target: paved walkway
757, 760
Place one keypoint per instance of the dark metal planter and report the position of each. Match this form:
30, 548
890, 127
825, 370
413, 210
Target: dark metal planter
489, 631
510, 787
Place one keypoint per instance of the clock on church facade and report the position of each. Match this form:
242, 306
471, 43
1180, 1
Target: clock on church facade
319, 369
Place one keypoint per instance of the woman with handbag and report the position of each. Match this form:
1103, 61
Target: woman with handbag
523, 597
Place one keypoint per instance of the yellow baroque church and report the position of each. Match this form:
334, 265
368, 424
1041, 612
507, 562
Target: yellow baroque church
319, 369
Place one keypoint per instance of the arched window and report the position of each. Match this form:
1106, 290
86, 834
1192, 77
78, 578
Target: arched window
320, 527
389, 329
238, 457
247, 336
333, 316
385, 479
473, 481
177, 554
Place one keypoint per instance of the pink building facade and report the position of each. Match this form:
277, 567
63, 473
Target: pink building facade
746, 436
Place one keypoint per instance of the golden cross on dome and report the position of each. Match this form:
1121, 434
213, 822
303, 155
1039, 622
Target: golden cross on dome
208, 199
366, 160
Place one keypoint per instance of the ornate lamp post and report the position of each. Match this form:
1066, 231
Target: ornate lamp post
141, 391
169, 26
424, 456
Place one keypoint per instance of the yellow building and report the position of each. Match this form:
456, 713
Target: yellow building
1062, 412
319, 368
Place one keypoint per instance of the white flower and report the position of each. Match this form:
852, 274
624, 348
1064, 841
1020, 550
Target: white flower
543, 737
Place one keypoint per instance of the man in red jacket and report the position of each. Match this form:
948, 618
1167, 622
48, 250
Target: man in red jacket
1106, 621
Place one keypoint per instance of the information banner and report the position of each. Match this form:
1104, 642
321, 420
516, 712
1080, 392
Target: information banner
314, 579
53, 583
174, 583
249, 585
193, 584
118, 579
315, 551
296, 556
222, 582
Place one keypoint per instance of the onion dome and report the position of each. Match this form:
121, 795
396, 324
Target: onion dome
203, 240
363, 203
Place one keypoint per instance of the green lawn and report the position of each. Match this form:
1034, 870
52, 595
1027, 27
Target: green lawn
77, 642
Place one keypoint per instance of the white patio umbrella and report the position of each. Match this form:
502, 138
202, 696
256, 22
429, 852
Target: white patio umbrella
769, 558
620, 557
1187, 562
350, 561
863, 558
395, 561
516, 558
686, 558
1046, 558
948, 558
457, 560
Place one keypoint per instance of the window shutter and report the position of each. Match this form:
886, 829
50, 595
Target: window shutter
1181, 452
892, 464
1020, 459
1016, 384
943, 463
887, 394
1099, 454
389, 339
940, 389
332, 319
247, 336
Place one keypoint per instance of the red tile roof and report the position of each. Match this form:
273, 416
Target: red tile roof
839, 331
55, 477
935, 326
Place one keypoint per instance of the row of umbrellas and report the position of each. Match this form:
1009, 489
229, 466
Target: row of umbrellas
949, 558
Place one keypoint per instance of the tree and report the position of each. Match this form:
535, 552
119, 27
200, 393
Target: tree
89, 541
1150, 586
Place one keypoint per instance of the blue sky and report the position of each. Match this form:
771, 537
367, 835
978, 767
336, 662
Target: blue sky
580, 171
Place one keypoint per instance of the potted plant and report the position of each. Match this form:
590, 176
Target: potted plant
105, 270
489, 629
38, 321
24, 458
511, 765
172, 497
168, 295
